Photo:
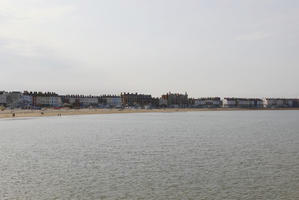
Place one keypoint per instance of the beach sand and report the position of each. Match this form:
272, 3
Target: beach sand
64, 112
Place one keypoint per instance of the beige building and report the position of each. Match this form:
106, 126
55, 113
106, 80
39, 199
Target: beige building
176, 100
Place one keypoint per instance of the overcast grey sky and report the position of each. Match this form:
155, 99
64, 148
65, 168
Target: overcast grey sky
244, 48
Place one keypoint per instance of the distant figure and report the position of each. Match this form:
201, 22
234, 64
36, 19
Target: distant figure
13, 114
42, 113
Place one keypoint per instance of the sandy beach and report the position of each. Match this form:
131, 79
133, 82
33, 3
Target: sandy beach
65, 112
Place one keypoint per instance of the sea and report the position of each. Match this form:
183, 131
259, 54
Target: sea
206, 155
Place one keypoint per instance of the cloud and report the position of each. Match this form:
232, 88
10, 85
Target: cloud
32, 10
253, 36
25, 25
19, 47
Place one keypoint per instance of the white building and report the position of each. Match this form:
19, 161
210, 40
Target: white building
243, 103
3, 98
256, 103
280, 103
48, 101
27, 98
113, 101
14, 99
27, 101
163, 102
55, 101
229, 102
84, 101
209, 102
274, 102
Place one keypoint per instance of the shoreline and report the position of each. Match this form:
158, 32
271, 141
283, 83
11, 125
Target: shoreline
66, 112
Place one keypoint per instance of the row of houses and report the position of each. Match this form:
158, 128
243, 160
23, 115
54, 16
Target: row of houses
243, 102
231, 102
170, 100
49, 99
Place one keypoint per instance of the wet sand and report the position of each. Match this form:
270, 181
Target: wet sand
64, 112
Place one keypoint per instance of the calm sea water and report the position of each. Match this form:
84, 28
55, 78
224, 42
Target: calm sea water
195, 155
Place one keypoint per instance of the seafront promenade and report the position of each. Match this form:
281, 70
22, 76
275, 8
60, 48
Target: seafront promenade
40, 100
65, 112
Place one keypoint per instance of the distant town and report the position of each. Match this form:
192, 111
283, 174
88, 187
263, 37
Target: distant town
39, 100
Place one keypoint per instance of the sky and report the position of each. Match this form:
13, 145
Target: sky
226, 48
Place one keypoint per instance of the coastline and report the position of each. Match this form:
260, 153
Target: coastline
66, 112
